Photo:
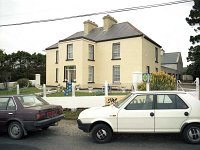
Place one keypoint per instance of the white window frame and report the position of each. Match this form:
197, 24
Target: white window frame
57, 72
69, 51
116, 51
91, 52
116, 74
57, 57
68, 71
91, 74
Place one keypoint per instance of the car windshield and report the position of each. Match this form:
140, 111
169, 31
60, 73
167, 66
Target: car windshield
118, 104
31, 101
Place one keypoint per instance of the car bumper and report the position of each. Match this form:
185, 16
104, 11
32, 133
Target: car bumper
48, 122
83, 126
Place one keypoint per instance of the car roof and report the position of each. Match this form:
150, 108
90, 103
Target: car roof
13, 95
159, 92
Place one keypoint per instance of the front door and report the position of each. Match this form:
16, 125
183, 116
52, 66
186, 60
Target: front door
7, 111
138, 115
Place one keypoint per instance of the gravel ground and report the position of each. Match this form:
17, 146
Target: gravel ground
68, 127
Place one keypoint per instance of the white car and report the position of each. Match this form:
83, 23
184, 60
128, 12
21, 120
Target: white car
145, 112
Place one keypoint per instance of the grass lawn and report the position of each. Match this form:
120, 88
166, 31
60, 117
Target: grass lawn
30, 90
72, 115
81, 93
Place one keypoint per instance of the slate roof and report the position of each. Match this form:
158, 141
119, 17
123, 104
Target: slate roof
117, 31
171, 58
52, 46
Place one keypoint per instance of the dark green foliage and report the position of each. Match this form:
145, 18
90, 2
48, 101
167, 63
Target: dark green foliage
194, 50
24, 82
22, 65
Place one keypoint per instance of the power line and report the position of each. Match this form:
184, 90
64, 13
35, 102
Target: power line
100, 13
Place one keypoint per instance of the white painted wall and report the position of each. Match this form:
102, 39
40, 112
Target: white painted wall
77, 102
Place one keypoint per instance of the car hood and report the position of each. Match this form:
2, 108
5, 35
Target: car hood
103, 111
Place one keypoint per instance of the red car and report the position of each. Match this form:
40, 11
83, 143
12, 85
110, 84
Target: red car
22, 113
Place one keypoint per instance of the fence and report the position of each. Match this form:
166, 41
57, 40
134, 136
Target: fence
192, 88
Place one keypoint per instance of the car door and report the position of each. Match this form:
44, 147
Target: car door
137, 115
7, 111
170, 113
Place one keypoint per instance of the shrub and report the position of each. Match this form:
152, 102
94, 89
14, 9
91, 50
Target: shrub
24, 82
159, 81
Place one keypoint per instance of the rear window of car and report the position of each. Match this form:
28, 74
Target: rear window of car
31, 101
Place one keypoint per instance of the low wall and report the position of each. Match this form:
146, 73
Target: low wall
77, 102
10, 85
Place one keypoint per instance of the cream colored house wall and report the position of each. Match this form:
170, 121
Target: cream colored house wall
51, 67
148, 56
131, 60
77, 60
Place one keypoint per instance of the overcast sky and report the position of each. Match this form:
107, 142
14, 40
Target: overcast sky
165, 25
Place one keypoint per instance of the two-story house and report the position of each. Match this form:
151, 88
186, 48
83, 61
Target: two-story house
110, 53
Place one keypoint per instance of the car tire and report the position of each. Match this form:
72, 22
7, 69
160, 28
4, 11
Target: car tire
102, 133
15, 130
191, 134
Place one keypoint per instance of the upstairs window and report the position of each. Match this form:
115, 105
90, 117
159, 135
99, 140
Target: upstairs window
57, 57
91, 52
69, 51
116, 51
156, 54
116, 74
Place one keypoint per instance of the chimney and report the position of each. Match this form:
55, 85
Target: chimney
162, 52
89, 26
108, 22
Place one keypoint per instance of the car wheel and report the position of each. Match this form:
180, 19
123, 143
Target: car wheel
191, 134
102, 133
15, 130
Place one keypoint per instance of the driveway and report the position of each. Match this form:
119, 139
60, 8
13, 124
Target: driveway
66, 136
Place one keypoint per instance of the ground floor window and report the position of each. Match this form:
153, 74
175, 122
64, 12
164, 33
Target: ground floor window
70, 73
91, 74
116, 74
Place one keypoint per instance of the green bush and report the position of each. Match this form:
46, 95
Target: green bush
24, 82
159, 81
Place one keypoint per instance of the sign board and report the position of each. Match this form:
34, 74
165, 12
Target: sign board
112, 99
146, 77
68, 89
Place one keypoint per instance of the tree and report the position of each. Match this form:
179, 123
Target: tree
194, 51
20, 65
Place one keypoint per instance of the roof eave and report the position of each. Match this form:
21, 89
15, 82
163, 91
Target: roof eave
146, 37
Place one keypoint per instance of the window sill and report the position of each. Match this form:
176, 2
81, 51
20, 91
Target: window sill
69, 59
91, 60
116, 59
91, 82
